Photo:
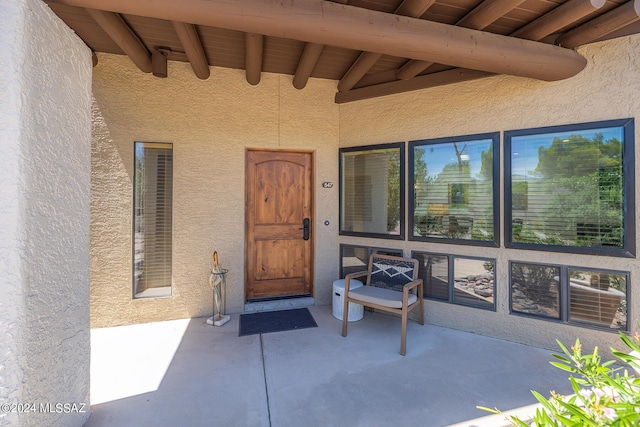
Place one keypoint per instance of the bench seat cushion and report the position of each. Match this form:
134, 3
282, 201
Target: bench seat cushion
380, 296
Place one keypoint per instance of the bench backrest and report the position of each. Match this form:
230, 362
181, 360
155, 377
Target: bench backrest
392, 272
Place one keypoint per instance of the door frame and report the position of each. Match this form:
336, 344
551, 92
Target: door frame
312, 212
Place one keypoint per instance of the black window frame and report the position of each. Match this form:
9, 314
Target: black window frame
370, 251
402, 169
564, 306
495, 137
628, 164
451, 279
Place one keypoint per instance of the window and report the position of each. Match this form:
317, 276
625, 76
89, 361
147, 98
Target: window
471, 281
454, 192
598, 297
354, 259
535, 289
372, 191
152, 200
571, 188
570, 294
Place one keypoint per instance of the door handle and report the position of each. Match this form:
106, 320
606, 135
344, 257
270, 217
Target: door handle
305, 227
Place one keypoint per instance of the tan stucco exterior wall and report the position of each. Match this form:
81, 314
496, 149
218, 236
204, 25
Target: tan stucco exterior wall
211, 124
45, 135
607, 89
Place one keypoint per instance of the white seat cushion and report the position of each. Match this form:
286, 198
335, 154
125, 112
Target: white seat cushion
380, 296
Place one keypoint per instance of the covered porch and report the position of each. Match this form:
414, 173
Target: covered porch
69, 180
186, 372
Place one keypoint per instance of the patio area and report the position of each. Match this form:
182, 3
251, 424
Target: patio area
186, 372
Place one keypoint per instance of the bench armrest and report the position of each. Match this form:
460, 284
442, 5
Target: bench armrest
412, 285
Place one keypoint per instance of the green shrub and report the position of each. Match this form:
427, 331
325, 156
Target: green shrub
605, 393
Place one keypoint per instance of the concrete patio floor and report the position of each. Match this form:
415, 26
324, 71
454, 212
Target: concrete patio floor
188, 373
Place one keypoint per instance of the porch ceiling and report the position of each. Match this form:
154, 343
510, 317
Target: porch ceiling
370, 47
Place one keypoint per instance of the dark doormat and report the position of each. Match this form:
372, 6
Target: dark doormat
275, 321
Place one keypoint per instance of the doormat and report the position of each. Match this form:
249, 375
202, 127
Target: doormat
276, 321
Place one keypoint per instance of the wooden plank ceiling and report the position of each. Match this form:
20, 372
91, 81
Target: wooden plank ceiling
370, 47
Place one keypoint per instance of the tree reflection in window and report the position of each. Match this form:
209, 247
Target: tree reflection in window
453, 192
567, 186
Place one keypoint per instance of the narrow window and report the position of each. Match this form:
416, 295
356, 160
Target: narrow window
454, 192
152, 201
372, 191
571, 188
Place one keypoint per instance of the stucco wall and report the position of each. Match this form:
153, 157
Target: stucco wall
45, 98
607, 89
211, 123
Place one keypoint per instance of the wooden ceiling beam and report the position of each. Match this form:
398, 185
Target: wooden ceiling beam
617, 18
308, 60
254, 45
321, 21
122, 35
442, 78
487, 12
358, 69
558, 18
192, 46
479, 18
412, 68
366, 60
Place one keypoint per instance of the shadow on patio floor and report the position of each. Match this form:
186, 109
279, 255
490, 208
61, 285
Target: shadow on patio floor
189, 373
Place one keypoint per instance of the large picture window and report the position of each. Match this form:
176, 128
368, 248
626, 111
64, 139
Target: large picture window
454, 192
372, 191
152, 200
571, 188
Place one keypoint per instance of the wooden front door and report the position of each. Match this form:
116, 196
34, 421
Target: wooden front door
279, 246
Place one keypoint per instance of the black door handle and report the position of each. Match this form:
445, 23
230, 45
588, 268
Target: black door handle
305, 227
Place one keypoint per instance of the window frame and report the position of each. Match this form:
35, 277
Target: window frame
495, 143
451, 279
628, 166
564, 307
136, 295
370, 251
401, 147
